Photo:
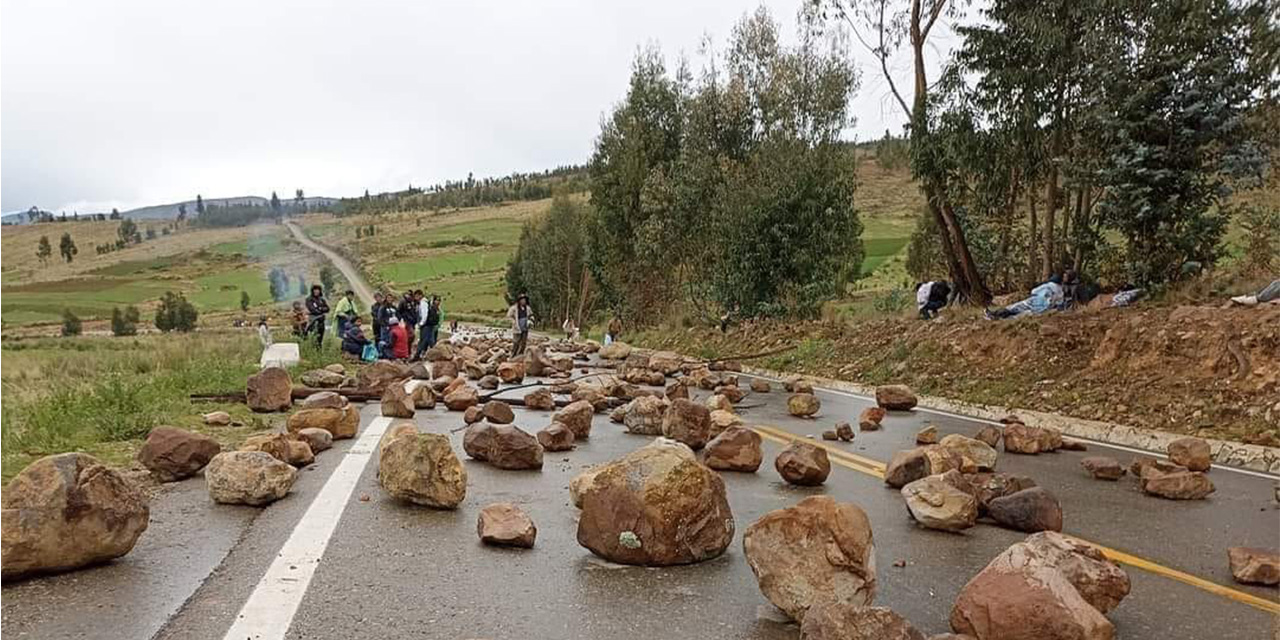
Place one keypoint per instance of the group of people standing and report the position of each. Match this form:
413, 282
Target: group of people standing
396, 323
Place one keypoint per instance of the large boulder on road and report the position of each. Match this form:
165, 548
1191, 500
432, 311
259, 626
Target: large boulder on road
68, 511
1019, 438
1048, 587
975, 455
937, 504
323, 378
498, 412
511, 372
342, 422
513, 448
687, 422
556, 437
379, 374
1254, 566
1192, 453
817, 552
643, 416
615, 351
803, 464
577, 417
506, 525
477, 440
735, 449
1029, 510
269, 390
461, 398
317, 439
422, 469
396, 402
656, 506
895, 397
171, 454
803, 405
248, 477
540, 399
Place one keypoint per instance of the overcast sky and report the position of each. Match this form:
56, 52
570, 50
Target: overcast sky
134, 102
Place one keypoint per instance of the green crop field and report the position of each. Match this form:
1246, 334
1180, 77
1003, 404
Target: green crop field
85, 297
256, 246
498, 231
221, 290
441, 265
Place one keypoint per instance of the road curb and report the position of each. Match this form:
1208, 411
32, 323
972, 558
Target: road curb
1234, 454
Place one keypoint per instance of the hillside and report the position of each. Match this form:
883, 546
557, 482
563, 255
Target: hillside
170, 211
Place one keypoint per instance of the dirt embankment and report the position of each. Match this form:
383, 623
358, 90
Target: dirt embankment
1197, 370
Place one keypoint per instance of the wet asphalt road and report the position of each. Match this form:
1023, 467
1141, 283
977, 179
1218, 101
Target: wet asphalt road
393, 571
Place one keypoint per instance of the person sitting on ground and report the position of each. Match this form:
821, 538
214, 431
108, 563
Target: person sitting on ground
400, 340
1043, 298
264, 333
354, 340
386, 340
344, 311
931, 297
521, 316
299, 319
1269, 293
317, 309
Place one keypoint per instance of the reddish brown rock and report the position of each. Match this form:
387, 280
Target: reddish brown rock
870, 418
513, 448
540, 399
854, 622
895, 397
269, 390
989, 435
317, 439
734, 393
396, 402
735, 449
171, 454
656, 506
1050, 438
989, 486
803, 464
1103, 468
477, 440
1254, 566
721, 420
377, 375
1029, 510
1176, 485
577, 417
511, 372
761, 386
68, 511
677, 390
556, 437
1019, 438
1192, 453
927, 435
498, 412
815, 553
591, 394
1047, 587
504, 524
472, 415
844, 431
687, 422
718, 402
830, 435
461, 398
905, 467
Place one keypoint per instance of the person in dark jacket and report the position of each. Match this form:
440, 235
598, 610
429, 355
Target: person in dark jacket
375, 313
354, 340
317, 309
931, 297
408, 311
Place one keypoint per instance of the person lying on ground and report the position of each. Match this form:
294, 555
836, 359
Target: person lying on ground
264, 333
931, 297
354, 340
400, 340
1043, 298
1269, 294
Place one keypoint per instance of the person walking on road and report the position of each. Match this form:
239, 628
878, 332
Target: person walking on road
344, 312
521, 316
317, 309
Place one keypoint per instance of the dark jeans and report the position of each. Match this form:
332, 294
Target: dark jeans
426, 340
342, 323
384, 343
519, 341
931, 308
317, 326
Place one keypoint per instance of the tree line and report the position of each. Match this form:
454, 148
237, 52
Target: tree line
470, 192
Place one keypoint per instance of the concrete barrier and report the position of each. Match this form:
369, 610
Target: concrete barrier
281, 354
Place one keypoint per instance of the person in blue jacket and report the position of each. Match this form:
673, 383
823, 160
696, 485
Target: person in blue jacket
1043, 298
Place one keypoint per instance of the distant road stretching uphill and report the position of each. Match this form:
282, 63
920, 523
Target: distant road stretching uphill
358, 285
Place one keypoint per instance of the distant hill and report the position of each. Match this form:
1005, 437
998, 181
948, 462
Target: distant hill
170, 211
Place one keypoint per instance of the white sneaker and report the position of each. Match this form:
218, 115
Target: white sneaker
1247, 301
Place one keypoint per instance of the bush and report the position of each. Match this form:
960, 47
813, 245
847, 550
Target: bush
176, 313
126, 323
1261, 227
70, 323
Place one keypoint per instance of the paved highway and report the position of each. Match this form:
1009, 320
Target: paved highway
338, 559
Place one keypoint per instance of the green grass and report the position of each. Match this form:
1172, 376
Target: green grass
102, 395
479, 294
497, 231
442, 265
259, 246
878, 250
134, 267
221, 291
86, 297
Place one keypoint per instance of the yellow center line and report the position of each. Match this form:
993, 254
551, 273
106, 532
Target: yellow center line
876, 469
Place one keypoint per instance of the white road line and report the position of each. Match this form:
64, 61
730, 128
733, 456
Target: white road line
1118, 447
269, 611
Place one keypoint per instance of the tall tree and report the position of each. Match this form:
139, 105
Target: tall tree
884, 27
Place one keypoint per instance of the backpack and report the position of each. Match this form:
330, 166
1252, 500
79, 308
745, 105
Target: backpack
369, 353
